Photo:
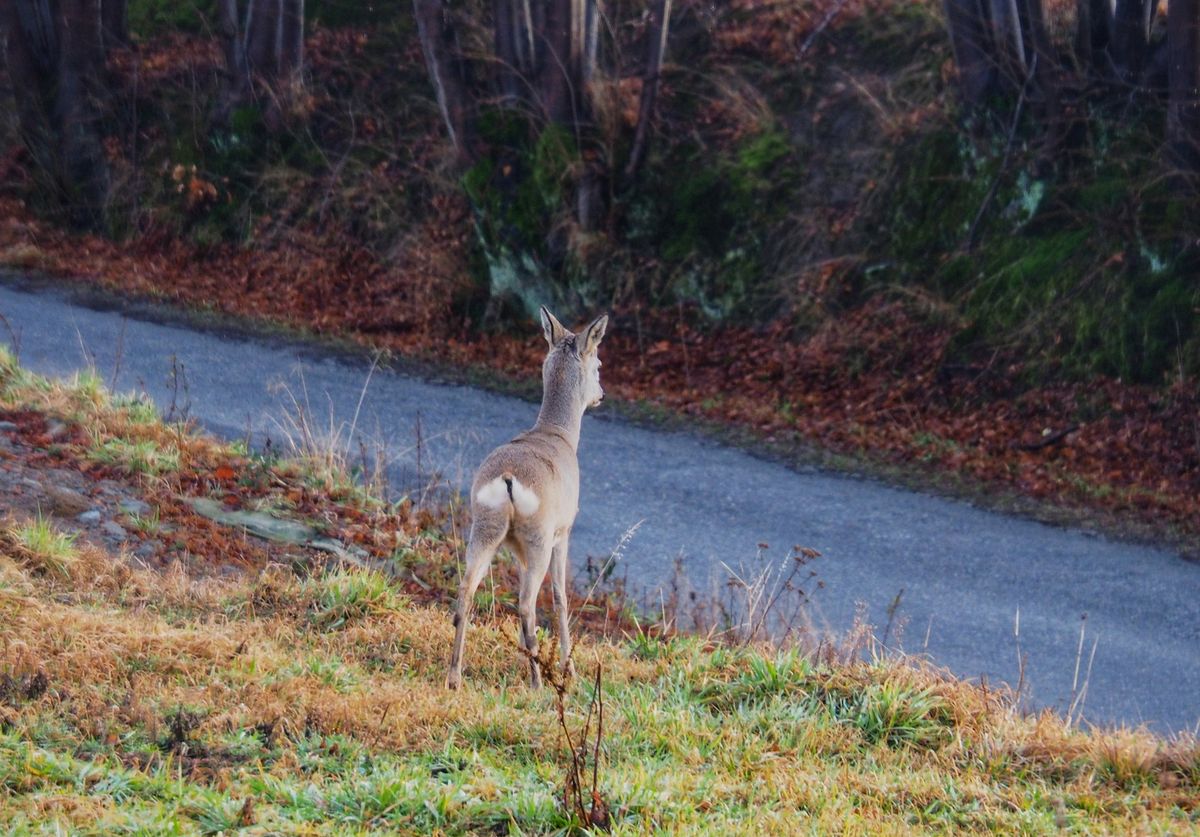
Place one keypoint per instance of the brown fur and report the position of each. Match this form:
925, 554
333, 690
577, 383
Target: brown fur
542, 460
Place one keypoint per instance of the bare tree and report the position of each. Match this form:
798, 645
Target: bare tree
444, 63
1112, 43
544, 67
545, 55
972, 44
264, 55
1130, 29
656, 46
1183, 106
114, 22
1092, 34
54, 52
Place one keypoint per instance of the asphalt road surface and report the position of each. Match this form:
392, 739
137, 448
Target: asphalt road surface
964, 572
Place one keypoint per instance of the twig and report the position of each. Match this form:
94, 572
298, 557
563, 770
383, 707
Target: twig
1047, 440
1075, 677
820, 29
118, 355
14, 337
1021, 657
599, 695
1008, 147
891, 612
613, 558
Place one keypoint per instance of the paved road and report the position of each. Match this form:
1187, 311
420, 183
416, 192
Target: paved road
965, 572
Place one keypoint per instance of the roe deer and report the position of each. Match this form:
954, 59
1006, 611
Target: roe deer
526, 493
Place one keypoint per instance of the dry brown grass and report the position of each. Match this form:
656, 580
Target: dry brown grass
297, 697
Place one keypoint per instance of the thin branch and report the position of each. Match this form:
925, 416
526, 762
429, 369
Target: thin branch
1008, 147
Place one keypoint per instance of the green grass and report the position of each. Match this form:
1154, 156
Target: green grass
43, 546
346, 595
1078, 272
145, 456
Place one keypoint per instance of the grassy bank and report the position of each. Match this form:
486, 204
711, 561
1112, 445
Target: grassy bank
221, 682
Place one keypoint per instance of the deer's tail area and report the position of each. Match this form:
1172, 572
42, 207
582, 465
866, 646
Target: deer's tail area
508, 489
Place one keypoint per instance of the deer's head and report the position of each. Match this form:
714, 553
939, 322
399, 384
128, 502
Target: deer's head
572, 366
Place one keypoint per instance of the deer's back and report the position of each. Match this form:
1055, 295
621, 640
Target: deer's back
543, 463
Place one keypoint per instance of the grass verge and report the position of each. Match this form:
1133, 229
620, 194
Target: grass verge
266, 689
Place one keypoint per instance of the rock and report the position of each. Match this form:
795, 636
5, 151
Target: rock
90, 517
146, 550
114, 531
64, 478
65, 502
132, 506
256, 523
7, 427
56, 429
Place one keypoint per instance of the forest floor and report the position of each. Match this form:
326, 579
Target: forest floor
164, 668
870, 387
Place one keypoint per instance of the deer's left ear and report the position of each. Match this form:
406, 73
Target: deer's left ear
552, 328
594, 334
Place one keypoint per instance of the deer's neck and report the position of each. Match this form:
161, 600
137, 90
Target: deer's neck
560, 415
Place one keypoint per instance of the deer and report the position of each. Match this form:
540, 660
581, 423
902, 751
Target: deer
525, 495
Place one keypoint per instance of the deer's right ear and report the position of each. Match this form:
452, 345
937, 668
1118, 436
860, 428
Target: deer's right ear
552, 328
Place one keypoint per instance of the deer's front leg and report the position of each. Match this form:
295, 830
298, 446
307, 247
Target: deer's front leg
537, 555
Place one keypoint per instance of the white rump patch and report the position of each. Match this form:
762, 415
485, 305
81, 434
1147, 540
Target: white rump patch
494, 495
524, 499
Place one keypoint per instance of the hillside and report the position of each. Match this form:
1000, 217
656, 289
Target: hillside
167, 670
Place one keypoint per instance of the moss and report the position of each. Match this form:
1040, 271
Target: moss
1077, 274
148, 18
936, 192
709, 213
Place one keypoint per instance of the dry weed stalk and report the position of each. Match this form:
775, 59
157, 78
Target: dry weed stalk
594, 811
754, 601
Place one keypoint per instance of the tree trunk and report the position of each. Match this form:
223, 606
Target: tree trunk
656, 46
291, 44
237, 79
1046, 79
264, 56
969, 39
507, 31
261, 36
1008, 43
55, 58
1091, 34
31, 54
438, 45
81, 68
558, 78
1183, 106
115, 22
1128, 45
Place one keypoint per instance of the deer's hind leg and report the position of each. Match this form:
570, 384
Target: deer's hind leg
558, 579
536, 549
487, 532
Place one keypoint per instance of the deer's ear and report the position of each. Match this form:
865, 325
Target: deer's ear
552, 328
594, 334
